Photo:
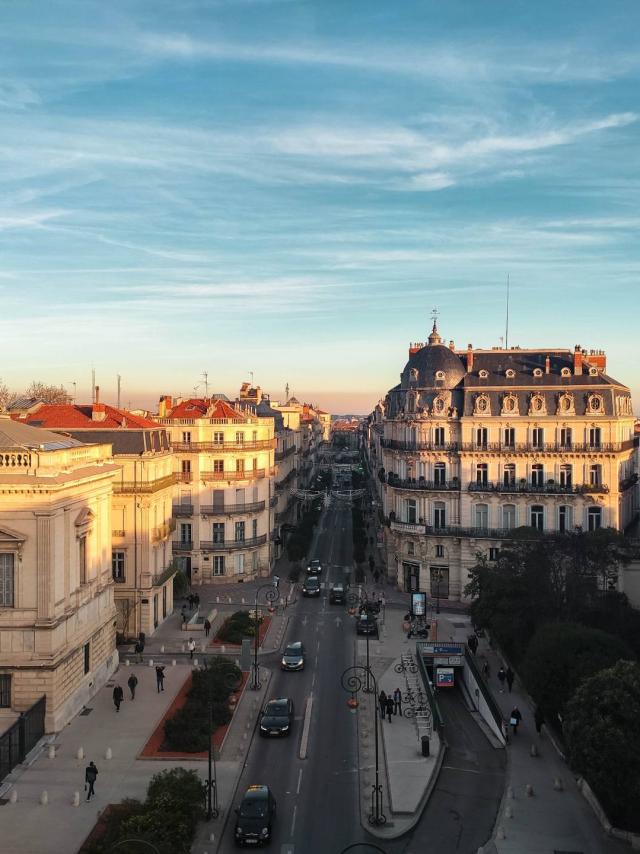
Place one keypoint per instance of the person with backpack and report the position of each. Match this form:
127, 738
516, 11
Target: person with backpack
90, 776
514, 719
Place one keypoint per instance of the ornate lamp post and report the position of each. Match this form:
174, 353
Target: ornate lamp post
352, 681
271, 596
438, 575
355, 602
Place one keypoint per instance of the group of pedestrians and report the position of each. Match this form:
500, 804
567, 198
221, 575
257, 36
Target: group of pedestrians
506, 676
391, 704
132, 682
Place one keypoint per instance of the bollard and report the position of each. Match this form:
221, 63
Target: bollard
558, 785
242, 603
13, 797
162, 648
217, 600
150, 662
80, 753
108, 754
184, 647
76, 799
229, 599
203, 646
533, 750
127, 663
52, 751
173, 662
44, 798
223, 649
529, 790
510, 793
212, 837
244, 736
195, 662
509, 812
501, 834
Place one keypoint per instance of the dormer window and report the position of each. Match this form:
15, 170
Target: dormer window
483, 374
565, 372
537, 372
510, 373
439, 375
593, 372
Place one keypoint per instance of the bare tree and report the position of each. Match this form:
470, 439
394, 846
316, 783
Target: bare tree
47, 393
6, 396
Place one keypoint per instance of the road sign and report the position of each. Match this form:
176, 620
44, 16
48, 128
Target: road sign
418, 604
441, 649
444, 677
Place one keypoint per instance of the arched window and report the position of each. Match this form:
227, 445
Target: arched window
509, 516
482, 516
565, 518
594, 518
440, 474
439, 514
537, 517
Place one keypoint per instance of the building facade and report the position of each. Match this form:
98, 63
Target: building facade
474, 444
225, 498
57, 613
142, 505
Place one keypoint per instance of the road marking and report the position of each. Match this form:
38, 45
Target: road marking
286, 849
293, 820
299, 781
316, 660
313, 680
305, 728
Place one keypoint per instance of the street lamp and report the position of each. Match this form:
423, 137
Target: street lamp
438, 575
352, 682
211, 784
271, 595
356, 602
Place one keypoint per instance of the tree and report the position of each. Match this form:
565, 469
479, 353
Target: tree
5, 395
602, 731
561, 656
47, 393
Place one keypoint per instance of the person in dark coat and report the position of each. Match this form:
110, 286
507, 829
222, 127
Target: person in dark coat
132, 681
90, 776
514, 719
538, 717
118, 697
139, 648
382, 699
472, 643
397, 702
207, 628
160, 678
390, 707
196, 600
510, 676
501, 677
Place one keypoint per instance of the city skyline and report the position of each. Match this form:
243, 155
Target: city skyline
289, 188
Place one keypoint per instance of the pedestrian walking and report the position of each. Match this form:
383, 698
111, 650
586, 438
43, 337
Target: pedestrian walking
501, 677
196, 600
382, 699
139, 647
390, 707
160, 678
538, 717
118, 697
472, 643
132, 681
90, 776
192, 647
207, 628
397, 702
510, 676
486, 670
514, 719
190, 599
184, 614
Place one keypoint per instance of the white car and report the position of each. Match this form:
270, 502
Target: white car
314, 568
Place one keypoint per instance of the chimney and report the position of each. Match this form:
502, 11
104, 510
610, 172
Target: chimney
577, 360
98, 411
97, 394
164, 406
547, 365
469, 358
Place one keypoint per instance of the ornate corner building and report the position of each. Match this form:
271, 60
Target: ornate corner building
472, 445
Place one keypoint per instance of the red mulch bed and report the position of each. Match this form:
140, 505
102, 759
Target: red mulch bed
264, 628
102, 824
153, 747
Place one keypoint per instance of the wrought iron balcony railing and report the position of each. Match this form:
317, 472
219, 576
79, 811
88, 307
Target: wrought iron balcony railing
230, 509
233, 545
548, 488
198, 447
422, 484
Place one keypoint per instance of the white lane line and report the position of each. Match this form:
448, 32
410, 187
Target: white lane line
293, 820
299, 781
305, 728
313, 680
316, 660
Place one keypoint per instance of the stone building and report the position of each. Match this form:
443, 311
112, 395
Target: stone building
224, 502
473, 444
142, 522
57, 614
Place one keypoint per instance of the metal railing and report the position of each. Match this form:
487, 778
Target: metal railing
282, 455
246, 474
400, 445
285, 480
548, 488
130, 486
22, 737
509, 447
421, 483
233, 545
197, 447
182, 510
228, 509
182, 545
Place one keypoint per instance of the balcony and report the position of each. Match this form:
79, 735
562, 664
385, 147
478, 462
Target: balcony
547, 447
247, 474
233, 545
408, 527
162, 532
121, 487
398, 445
548, 488
282, 455
182, 546
521, 533
117, 532
198, 447
285, 480
422, 484
160, 578
182, 510
183, 476
229, 509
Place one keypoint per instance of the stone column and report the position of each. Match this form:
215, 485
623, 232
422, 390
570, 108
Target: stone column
45, 565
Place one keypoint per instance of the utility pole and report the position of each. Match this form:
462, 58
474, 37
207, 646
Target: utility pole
119, 380
206, 383
93, 385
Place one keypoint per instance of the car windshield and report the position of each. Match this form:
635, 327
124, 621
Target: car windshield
338, 588
253, 807
293, 650
276, 709
312, 582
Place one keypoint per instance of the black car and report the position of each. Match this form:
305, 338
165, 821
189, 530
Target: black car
311, 586
337, 594
366, 624
277, 717
255, 816
293, 657
314, 568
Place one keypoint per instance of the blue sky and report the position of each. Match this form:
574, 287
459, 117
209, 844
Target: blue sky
289, 188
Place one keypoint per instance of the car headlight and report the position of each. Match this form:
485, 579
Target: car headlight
300, 662
238, 831
284, 728
263, 727
264, 831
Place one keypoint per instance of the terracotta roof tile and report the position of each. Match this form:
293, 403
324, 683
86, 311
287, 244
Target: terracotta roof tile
61, 416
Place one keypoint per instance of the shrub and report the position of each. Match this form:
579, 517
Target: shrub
236, 627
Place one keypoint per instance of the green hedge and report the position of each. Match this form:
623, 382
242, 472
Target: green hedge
236, 627
188, 730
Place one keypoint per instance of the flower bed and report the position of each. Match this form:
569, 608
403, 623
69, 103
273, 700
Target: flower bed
263, 629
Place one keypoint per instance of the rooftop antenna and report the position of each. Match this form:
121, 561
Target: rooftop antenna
119, 380
286, 392
434, 316
93, 385
251, 372
73, 383
506, 331
206, 383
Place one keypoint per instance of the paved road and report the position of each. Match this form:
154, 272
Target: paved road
318, 801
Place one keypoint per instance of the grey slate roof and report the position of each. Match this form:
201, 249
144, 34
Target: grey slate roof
16, 435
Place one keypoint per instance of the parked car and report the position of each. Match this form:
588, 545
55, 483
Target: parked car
314, 568
255, 816
277, 717
311, 586
337, 594
293, 657
366, 624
